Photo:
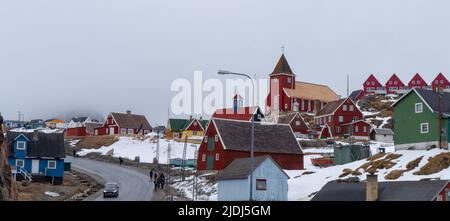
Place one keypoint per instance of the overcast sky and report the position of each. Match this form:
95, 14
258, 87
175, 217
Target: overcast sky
62, 57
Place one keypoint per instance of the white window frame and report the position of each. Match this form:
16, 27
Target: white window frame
338, 129
352, 108
365, 129
356, 129
48, 164
341, 119
355, 118
20, 160
297, 123
205, 140
289, 80
329, 119
204, 157
216, 138
373, 83
123, 131
217, 156
368, 83
130, 131
427, 126
24, 145
344, 107
176, 135
194, 133
416, 108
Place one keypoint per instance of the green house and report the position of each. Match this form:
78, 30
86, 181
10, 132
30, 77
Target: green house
416, 120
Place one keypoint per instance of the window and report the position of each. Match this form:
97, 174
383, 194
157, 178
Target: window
195, 123
344, 107
216, 138
258, 116
303, 104
395, 82
176, 135
419, 108
217, 156
436, 81
368, 83
355, 118
20, 163
285, 106
194, 133
275, 80
390, 82
204, 157
365, 129
130, 131
424, 128
442, 81
352, 108
393, 88
206, 139
297, 123
413, 82
123, 131
289, 80
329, 119
373, 83
51, 164
439, 198
261, 184
338, 129
21, 145
341, 119
356, 129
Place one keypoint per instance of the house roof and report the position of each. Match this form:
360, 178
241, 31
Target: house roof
79, 119
417, 77
49, 144
91, 126
269, 138
131, 121
243, 113
331, 107
383, 131
282, 67
241, 168
309, 91
388, 191
440, 76
287, 117
431, 99
394, 77
358, 121
178, 125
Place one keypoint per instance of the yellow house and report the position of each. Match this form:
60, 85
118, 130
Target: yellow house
51, 123
180, 129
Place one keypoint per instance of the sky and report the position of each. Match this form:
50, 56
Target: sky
60, 58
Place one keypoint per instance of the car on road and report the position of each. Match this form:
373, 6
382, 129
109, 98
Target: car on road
111, 190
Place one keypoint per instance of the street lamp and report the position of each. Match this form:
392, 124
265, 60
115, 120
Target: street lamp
222, 72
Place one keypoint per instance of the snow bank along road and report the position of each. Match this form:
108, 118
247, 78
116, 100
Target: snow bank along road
133, 185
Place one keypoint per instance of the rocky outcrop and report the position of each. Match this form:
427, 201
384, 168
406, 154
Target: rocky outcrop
8, 188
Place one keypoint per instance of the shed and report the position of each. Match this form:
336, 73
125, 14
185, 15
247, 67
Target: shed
350, 153
270, 181
384, 135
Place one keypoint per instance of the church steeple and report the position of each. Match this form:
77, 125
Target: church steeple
282, 67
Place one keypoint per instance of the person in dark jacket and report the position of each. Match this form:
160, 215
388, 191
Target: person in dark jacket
74, 152
162, 180
151, 174
120, 160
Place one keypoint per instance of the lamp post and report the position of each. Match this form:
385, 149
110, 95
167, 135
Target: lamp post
252, 136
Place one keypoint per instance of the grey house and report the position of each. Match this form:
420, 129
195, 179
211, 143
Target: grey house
270, 181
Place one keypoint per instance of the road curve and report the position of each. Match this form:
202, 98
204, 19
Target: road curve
134, 186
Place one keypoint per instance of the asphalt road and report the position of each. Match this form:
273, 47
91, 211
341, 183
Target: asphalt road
133, 185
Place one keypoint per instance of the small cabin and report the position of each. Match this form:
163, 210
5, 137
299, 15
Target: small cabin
383, 135
270, 182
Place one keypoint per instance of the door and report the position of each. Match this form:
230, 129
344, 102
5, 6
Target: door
210, 163
111, 130
35, 166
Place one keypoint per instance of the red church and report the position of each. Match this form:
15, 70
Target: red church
335, 117
417, 82
394, 85
440, 81
227, 140
287, 94
372, 84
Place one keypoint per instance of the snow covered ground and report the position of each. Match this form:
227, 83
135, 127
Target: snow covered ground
128, 147
303, 187
207, 191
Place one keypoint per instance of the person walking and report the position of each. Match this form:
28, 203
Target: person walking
162, 180
120, 160
151, 174
74, 152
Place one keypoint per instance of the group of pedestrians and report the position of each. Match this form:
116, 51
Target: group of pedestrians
158, 179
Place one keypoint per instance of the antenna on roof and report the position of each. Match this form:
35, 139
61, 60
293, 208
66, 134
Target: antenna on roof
282, 49
347, 86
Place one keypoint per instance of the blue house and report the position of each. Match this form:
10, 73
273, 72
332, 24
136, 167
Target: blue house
37, 155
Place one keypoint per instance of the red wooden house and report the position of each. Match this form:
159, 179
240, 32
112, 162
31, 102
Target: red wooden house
330, 121
227, 140
417, 82
124, 124
440, 81
394, 85
372, 84
238, 112
297, 123
287, 94
359, 130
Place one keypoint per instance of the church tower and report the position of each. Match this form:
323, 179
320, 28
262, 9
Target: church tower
281, 78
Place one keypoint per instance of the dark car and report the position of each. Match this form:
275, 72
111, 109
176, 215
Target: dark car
111, 190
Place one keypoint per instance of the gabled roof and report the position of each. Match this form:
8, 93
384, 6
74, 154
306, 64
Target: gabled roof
358, 121
241, 168
394, 77
203, 123
243, 113
372, 77
355, 94
331, 107
440, 76
49, 144
131, 121
383, 131
309, 91
431, 99
269, 138
287, 118
282, 67
91, 126
417, 77
178, 125
388, 191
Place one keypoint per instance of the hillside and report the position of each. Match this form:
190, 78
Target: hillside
377, 109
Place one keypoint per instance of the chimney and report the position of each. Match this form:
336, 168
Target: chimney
372, 187
35, 135
190, 117
128, 112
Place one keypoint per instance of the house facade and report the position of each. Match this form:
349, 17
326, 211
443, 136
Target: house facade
287, 94
37, 154
394, 85
53, 123
12, 124
371, 85
417, 82
440, 82
124, 124
180, 129
359, 130
270, 182
383, 135
416, 120
297, 123
227, 140
334, 119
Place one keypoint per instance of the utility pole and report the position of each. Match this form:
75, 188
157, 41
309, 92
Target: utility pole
348, 86
439, 116
194, 183
157, 145
168, 169
183, 160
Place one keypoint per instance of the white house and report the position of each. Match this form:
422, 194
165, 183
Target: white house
270, 181
382, 135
